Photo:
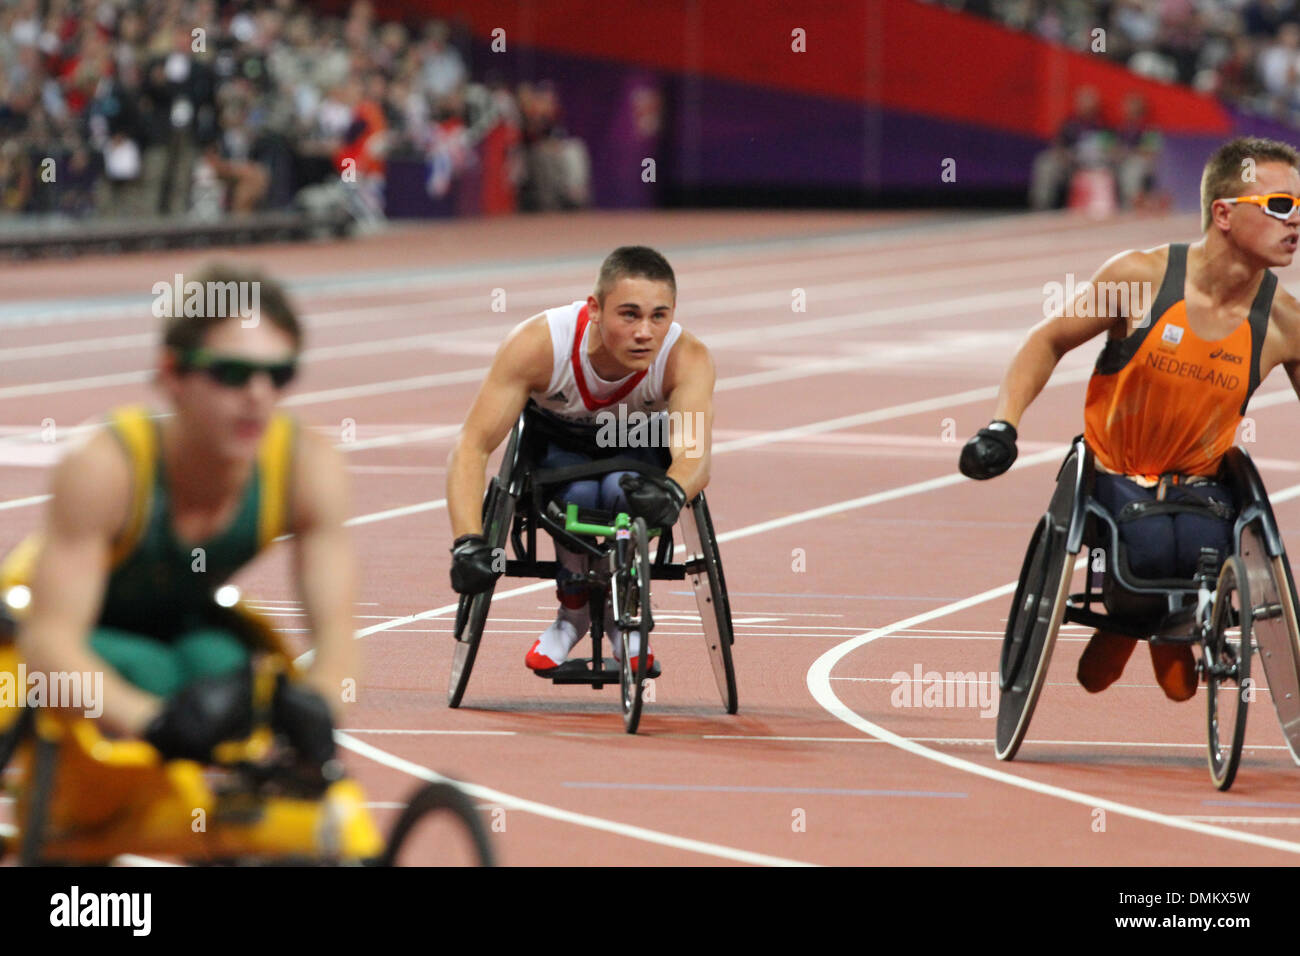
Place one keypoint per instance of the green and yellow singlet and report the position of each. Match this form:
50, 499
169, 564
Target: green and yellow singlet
159, 584
159, 625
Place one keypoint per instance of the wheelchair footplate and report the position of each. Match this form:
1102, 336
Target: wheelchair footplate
579, 671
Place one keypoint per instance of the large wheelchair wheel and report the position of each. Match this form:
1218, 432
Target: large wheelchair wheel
431, 810
1274, 630
1227, 670
1035, 616
13, 735
632, 589
45, 759
472, 612
704, 568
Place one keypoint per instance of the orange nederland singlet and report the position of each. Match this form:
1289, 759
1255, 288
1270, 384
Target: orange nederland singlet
1164, 400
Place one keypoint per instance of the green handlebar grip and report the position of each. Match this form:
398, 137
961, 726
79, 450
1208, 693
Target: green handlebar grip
621, 520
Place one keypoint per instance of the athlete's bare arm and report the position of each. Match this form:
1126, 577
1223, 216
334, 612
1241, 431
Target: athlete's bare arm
1282, 342
325, 565
688, 379
522, 365
90, 505
1050, 339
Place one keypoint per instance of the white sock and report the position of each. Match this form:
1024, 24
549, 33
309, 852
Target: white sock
615, 636
571, 624
558, 639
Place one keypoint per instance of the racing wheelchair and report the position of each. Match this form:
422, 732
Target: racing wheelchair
520, 501
1232, 612
85, 799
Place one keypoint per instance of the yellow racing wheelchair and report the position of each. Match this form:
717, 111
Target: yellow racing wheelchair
82, 798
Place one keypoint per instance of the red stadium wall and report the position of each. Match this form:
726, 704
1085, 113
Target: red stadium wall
897, 54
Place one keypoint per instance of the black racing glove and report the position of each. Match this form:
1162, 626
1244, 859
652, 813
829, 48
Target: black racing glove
203, 714
471, 565
303, 717
990, 452
658, 500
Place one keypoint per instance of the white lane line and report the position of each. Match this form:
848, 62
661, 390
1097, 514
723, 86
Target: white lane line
23, 502
980, 741
406, 766
386, 387
739, 444
883, 414
396, 512
1247, 820
432, 433
75, 384
973, 236
474, 733
564, 816
303, 398
1054, 454
903, 491
819, 685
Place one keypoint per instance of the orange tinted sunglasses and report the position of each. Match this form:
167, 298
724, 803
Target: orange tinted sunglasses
1277, 205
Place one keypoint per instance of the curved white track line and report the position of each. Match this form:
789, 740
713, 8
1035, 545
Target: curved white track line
564, 816
819, 685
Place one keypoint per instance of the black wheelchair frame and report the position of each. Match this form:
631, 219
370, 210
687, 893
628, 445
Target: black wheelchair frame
518, 503
1256, 576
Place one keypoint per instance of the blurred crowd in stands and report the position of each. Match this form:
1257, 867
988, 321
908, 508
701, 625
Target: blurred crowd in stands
1093, 164
1246, 52
204, 108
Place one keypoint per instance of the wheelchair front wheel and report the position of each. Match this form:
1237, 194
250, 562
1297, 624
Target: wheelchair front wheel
1226, 661
634, 617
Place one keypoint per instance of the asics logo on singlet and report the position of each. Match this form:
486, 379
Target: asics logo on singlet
1226, 356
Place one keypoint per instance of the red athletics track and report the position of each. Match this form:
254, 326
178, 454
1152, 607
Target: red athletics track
837, 433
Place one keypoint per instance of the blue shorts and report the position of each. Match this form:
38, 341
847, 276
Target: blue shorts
1166, 546
603, 493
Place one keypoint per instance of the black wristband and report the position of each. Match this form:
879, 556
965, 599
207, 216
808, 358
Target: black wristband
468, 537
680, 491
1001, 424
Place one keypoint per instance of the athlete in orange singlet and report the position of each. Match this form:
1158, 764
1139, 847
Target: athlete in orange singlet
1172, 382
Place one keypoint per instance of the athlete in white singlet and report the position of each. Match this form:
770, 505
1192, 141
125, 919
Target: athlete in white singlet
609, 363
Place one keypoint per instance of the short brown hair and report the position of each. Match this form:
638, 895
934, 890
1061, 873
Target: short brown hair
181, 331
640, 262
1224, 176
